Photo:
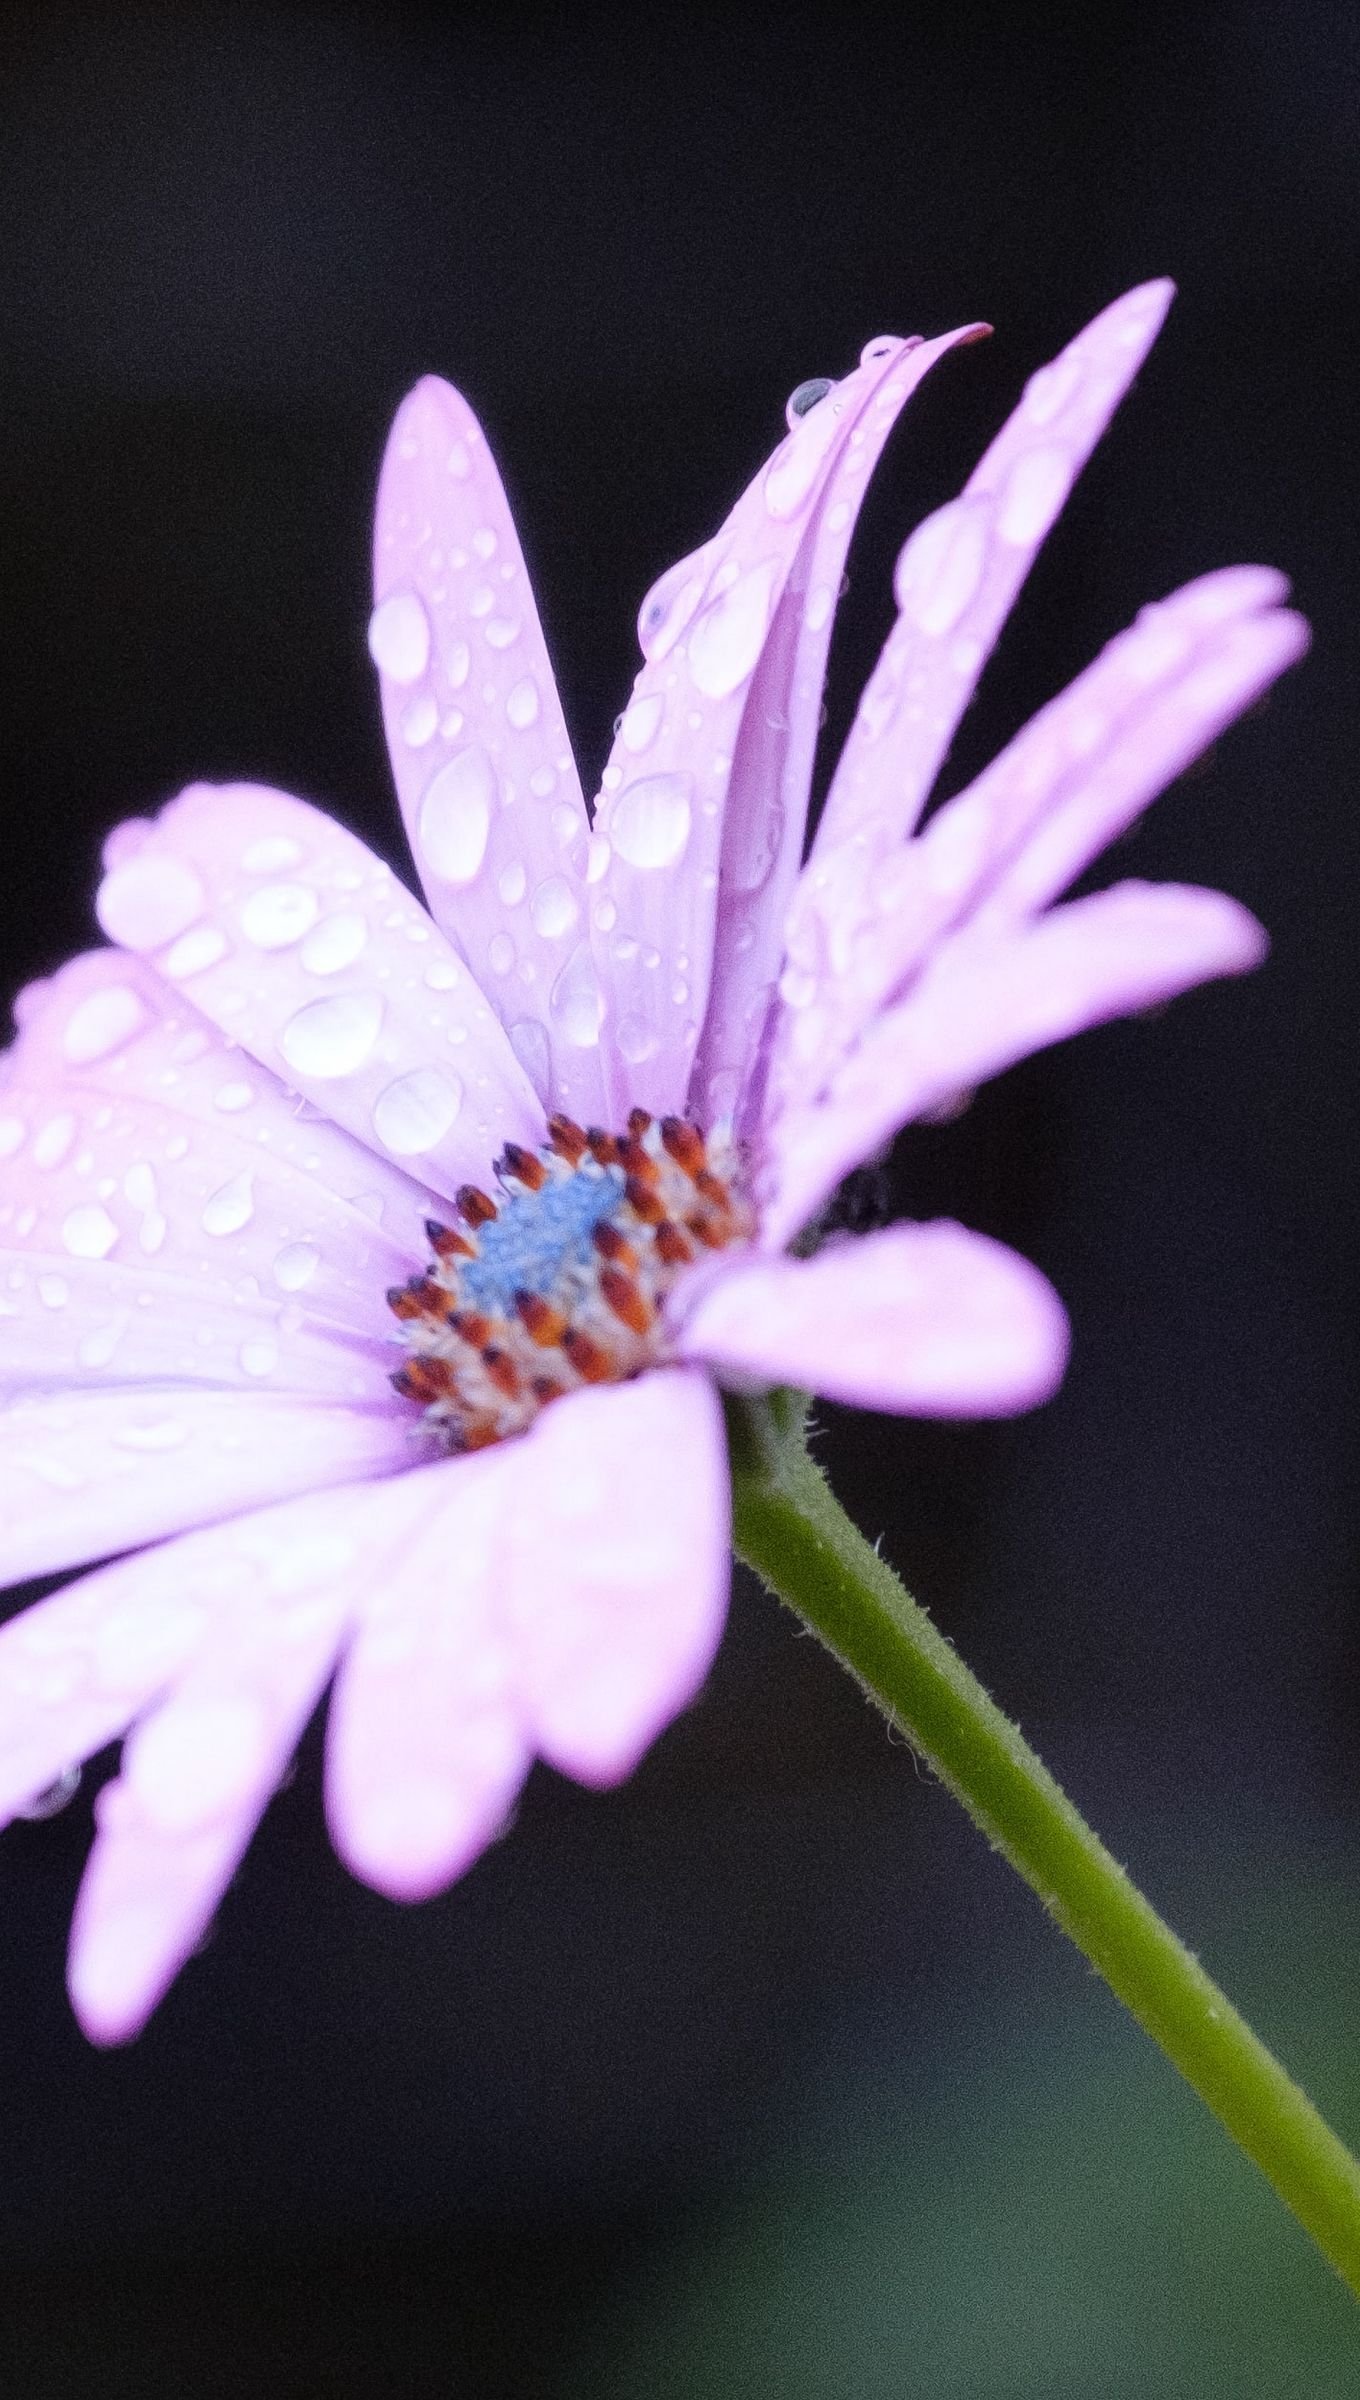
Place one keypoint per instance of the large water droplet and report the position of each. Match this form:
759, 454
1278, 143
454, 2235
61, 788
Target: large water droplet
793, 471
271, 854
576, 1004
279, 914
54, 1140
1036, 488
649, 821
553, 908
521, 704
669, 605
149, 901
420, 721
53, 1797
335, 943
89, 1232
295, 1265
807, 396
941, 567
399, 638
455, 815
230, 1207
727, 639
415, 1112
327, 1039
101, 1023
195, 952
511, 884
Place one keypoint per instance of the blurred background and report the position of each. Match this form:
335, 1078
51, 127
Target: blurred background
759, 2076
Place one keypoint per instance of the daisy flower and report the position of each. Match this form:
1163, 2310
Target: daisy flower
371, 1270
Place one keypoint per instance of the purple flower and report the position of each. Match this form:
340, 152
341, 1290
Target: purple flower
247, 1149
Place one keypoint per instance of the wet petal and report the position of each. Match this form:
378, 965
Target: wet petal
985, 1002
1069, 783
425, 1749
480, 754
925, 1320
301, 946
660, 838
618, 1571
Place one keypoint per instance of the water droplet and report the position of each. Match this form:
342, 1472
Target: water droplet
415, 1112
53, 1291
605, 915
500, 951
1048, 392
941, 567
153, 1434
820, 602
728, 638
636, 1040
668, 607
530, 1045
279, 914
335, 943
553, 908
139, 1185
89, 1232
882, 345
543, 782
807, 396
97, 1349
195, 952
231, 1206
791, 476
330, 1038
751, 846
100, 1023
576, 1003
501, 632
455, 815
295, 1265
149, 901
458, 462
442, 975
54, 1141
233, 1097
649, 821
53, 1797
419, 721
272, 854
12, 1133
1036, 488
511, 884
484, 542
399, 638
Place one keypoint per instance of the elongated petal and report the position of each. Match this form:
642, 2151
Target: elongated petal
300, 945
618, 1567
267, 1601
985, 1003
425, 1748
704, 629
765, 816
480, 753
1069, 783
924, 1320
84, 1474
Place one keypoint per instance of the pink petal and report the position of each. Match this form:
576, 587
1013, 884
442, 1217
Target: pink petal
765, 817
480, 752
269, 1599
703, 629
618, 1571
985, 1002
424, 1746
289, 935
84, 1474
1066, 786
926, 1320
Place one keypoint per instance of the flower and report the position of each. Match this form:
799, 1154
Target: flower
224, 1134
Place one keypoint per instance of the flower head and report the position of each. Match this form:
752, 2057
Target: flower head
371, 1268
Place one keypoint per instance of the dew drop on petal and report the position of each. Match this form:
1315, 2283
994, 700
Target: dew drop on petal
101, 1023
806, 396
195, 952
399, 638
530, 1045
791, 476
415, 1112
1035, 490
457, 664
279, 914
575, 1003
727, 639
511, 884
53, 1797
12, 1135
330, 1038
272, 854
231, 1206
521, 704
941, 567
420, 721
259, 1356
335, 943
295, 1265
149, 901
553, 908
500, 951
455, 815
649, 822
636, 1040
501, 632
89, 1232
54, 1140
668, 607
1048, 392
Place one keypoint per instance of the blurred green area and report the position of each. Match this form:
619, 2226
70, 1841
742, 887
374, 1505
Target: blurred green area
1059, 2221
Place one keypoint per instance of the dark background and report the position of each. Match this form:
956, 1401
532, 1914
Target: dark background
759, 2076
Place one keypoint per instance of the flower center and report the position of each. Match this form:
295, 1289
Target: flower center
561, 1282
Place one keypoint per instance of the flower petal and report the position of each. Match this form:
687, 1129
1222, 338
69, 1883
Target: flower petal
480, 753
268, 1598
84, 1474
926, 1320
704, 629
985, 1002
619, 1570
301, 945
1069, 783
425, 1750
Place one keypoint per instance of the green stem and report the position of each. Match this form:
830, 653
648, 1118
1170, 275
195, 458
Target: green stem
791, 1529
